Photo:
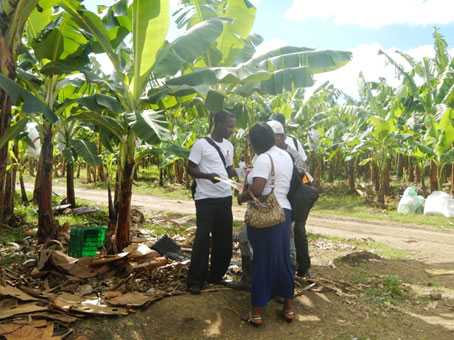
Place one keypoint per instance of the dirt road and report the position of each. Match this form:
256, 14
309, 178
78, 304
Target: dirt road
429, 246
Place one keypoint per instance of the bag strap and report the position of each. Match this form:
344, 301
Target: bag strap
273, 173
218, 149
295, 142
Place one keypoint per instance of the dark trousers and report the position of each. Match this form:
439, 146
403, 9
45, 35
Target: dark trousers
303, 261
214, 216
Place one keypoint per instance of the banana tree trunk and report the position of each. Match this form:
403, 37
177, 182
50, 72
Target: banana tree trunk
70, 193
9, 195
5, 117
433, 176
381, 190
387, 178
351, 175
37, 178
10, 187
411, 170
452, 179
317, 169
417, 173
125, 192
46, 226
375, 176
23, 192
400, 166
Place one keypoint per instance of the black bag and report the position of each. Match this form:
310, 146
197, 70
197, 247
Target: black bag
302, 196
214, 145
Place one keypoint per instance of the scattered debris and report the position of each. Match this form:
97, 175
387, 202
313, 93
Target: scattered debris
357, 258
439, 272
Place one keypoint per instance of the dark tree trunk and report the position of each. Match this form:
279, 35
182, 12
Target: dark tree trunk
423, 180
351, 175
37, 179
5, 117
387, 177
317, 170
161, 177
417, 173
78, 170
400, 166
9, 195
88, 174
46, 226
433, 176
70, 193
102, 174
23, 192
136, 173
375, 176
411, 170
124, 205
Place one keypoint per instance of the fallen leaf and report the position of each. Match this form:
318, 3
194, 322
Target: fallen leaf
55, 316
28, 332
133, 299
26, 308
7, 328
16, 293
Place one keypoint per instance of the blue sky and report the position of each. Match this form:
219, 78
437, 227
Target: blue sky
361, 26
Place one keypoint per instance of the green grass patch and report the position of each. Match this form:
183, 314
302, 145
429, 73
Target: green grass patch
339, 202
387, 291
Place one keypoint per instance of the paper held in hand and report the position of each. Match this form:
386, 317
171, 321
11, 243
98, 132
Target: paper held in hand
235, 185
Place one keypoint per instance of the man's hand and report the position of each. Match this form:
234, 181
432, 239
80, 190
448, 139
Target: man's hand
213, 178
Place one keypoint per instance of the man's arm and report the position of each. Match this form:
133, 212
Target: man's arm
231, 172
195, 172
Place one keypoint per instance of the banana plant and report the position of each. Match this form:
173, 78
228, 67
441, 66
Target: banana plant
13, 17
422, 102
138, 68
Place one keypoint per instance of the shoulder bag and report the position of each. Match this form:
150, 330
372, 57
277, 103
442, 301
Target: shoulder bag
264, 211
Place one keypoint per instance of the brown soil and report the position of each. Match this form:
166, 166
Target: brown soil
363, 309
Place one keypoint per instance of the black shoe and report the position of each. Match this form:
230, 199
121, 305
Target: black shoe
308, 275
194, 290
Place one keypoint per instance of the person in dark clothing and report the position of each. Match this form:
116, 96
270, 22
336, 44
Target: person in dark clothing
300, 246
210, 160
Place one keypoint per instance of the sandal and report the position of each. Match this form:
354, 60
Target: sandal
289, 315
254, 320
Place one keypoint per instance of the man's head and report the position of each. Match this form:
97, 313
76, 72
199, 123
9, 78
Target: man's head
224, 123
280, 118
279, 133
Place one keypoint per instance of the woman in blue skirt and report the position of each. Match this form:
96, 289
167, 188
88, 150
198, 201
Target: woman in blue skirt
272, 274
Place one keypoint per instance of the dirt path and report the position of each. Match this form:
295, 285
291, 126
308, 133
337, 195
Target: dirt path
429, 246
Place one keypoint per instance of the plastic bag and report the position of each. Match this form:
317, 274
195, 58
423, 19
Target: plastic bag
411, 203
439, 203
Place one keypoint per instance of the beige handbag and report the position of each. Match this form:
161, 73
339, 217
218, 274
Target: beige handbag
265, 211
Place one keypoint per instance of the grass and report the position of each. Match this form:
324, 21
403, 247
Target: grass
338, 202
387, 291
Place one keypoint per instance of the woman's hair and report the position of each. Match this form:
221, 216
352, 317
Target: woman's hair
261, 137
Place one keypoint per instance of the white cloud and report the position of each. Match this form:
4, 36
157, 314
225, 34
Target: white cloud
373, 66
375, 13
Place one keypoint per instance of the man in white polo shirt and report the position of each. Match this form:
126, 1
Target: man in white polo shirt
291, 141
211, 158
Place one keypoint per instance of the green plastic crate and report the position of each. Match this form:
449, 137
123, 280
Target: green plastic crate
85, 241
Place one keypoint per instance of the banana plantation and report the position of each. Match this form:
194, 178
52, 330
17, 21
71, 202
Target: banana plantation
115, 95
